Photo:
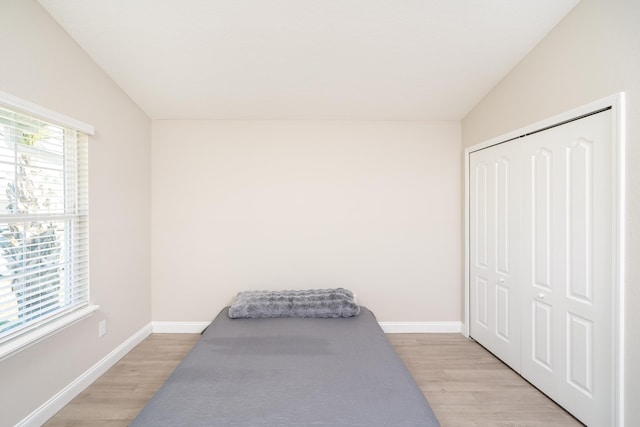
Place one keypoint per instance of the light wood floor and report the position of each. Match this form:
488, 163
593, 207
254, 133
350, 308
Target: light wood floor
465, 384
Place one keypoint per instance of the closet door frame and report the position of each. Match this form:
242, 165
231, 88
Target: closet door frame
616, 103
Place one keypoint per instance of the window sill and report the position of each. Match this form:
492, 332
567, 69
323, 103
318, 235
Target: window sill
26, 340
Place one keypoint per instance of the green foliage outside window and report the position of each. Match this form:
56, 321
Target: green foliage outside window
31, 249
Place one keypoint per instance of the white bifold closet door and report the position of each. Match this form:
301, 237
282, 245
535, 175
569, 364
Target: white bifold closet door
541, 261
494, 229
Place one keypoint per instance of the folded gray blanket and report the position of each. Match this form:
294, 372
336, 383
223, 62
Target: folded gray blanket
305, 303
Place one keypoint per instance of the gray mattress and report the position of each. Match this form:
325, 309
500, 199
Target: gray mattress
290, 372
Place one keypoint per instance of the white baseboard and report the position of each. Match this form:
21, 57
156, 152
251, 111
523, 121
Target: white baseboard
178, 327
64, 396
421, 327
387, 327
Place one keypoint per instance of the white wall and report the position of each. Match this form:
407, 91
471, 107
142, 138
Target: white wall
39, 62
371, 206
593, 53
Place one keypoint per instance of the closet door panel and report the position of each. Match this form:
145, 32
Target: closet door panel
493, 213
504, 207
541, 342
567, 212
480, 246
587, 387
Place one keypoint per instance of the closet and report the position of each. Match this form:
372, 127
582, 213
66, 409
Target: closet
541, 260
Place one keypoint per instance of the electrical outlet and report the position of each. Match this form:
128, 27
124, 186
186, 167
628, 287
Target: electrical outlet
102, 328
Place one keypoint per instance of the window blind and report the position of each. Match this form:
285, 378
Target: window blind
44, 251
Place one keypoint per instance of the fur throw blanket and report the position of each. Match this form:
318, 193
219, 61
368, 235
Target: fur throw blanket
306, 303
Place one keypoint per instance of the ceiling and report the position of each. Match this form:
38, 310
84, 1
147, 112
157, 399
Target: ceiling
307, 59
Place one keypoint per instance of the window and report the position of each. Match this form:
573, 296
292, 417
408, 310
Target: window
44, 268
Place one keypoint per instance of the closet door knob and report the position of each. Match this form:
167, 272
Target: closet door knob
541, 295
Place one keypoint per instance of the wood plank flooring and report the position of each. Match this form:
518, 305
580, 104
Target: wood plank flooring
468, 386
465, 384
117, 397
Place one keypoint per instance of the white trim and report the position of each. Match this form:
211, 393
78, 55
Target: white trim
44, 113
27, 339
64, 396
421, 327
387, 327
619, 138
465, 325
618, 114
613, 101
178, 327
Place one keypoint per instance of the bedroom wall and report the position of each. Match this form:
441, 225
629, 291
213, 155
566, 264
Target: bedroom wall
42, 64
593, 53
242, 205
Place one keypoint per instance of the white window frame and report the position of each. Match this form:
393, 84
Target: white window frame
40, 330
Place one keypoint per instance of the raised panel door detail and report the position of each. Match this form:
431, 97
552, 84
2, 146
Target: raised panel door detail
502, 312
481, 215
541, 213
481, 301
579, 223
502, 220
580, 353
541, 334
